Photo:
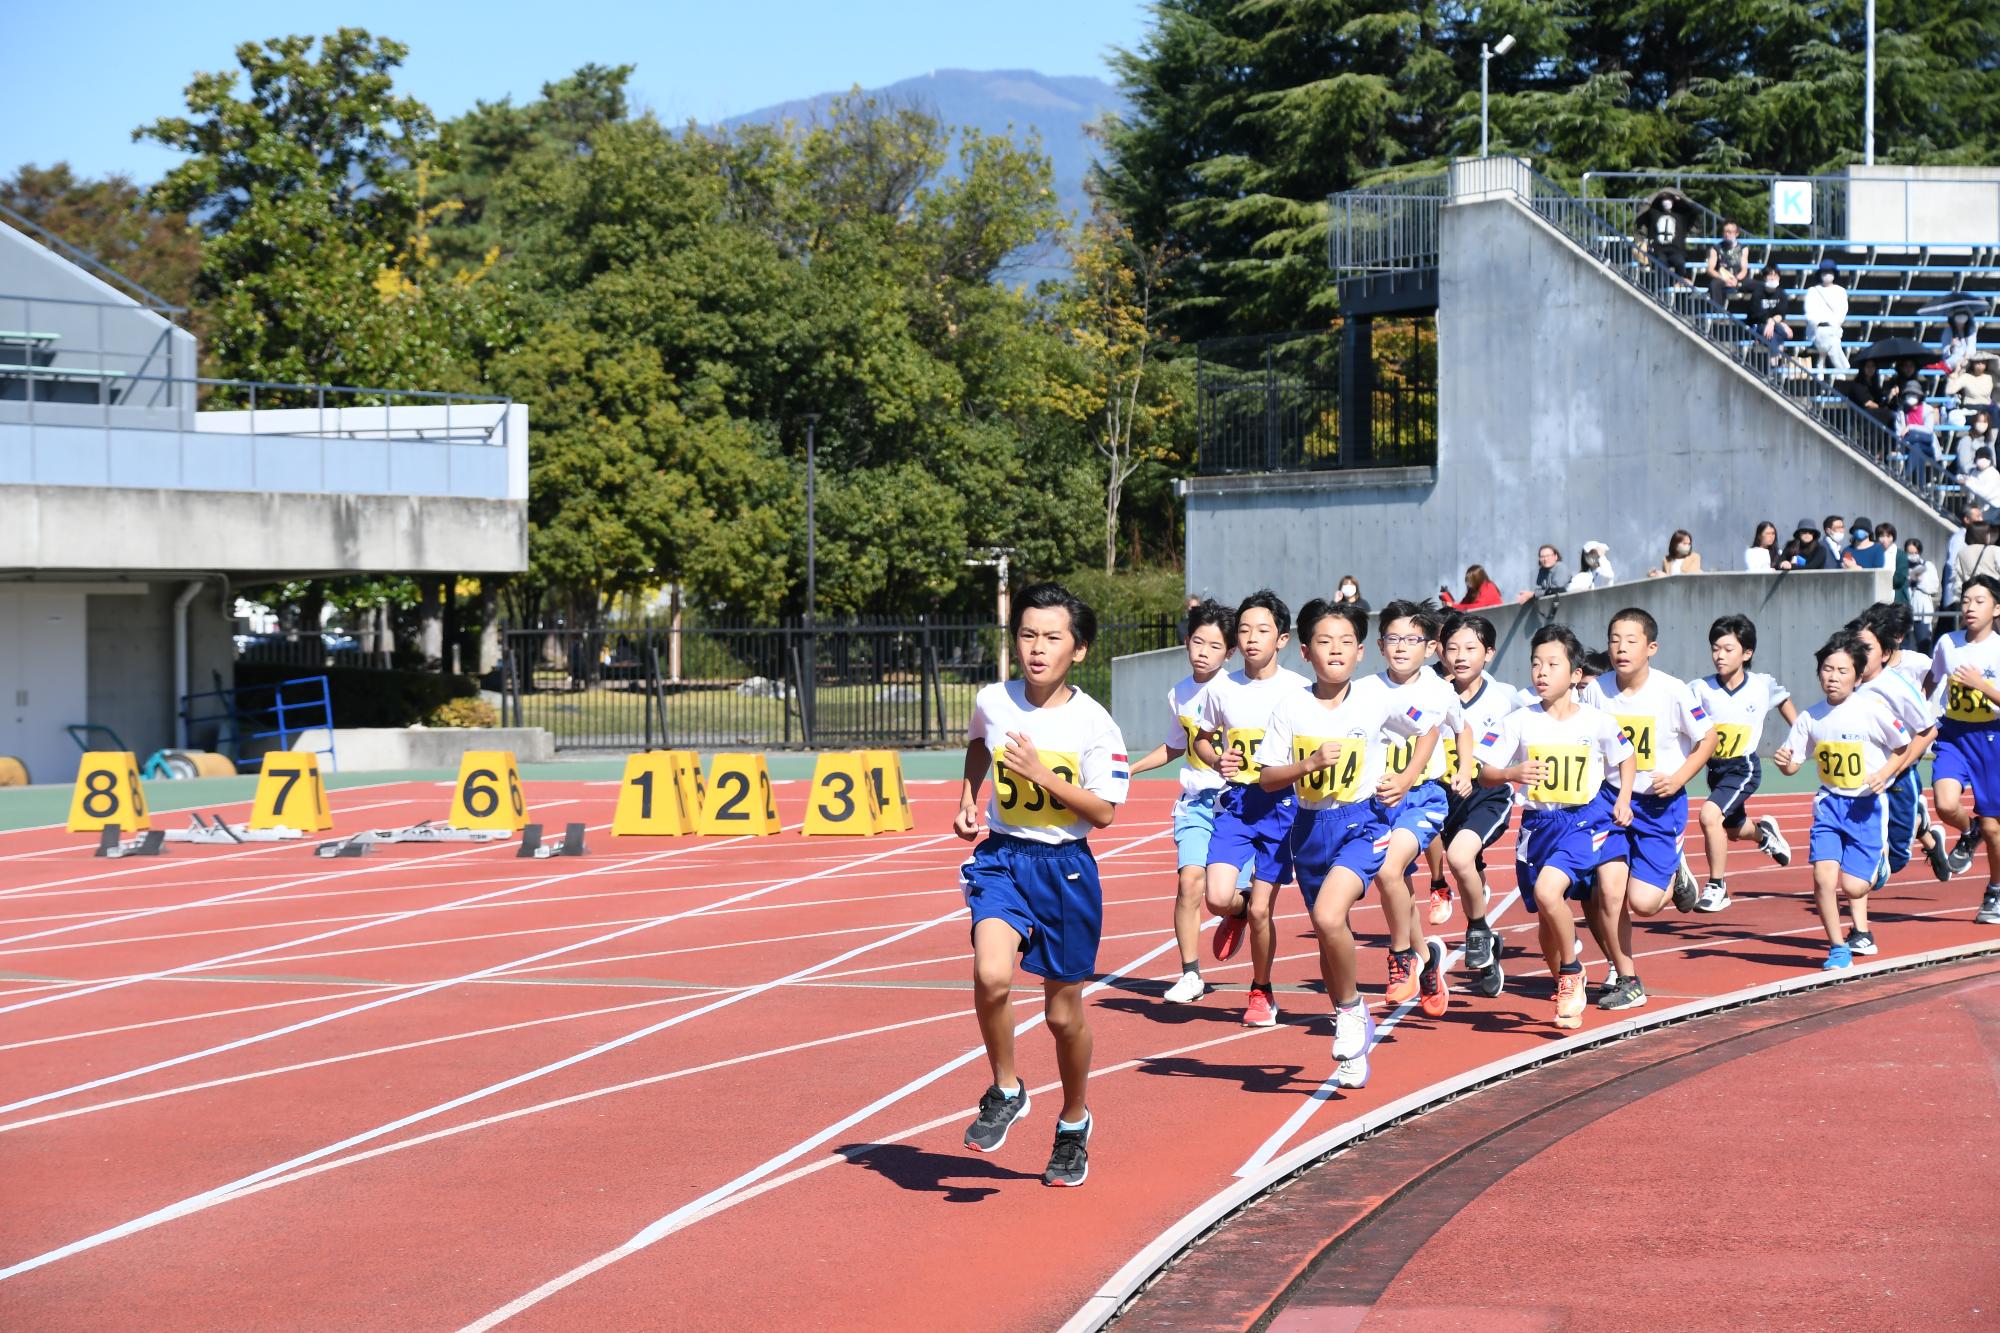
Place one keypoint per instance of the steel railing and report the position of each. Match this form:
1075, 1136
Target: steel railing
84, 259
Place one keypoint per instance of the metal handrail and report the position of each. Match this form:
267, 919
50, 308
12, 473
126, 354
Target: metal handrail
159, 304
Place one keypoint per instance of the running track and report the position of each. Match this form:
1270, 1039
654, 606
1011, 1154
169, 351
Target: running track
688, 1083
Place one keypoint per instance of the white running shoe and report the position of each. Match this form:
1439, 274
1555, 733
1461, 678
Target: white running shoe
1714, 897
1351, 1073
1188, 989
1353, 1031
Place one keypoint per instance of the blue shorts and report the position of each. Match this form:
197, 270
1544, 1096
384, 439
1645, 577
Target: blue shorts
1254, 826
1420, 814
1571, 841
1049, 894
1971, 759
1194, 826
1352, 837
1850, 830
1651, 844
1731, 784
1904, 796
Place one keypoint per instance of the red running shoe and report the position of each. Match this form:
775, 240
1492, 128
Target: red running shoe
1262, 1010
1229, 937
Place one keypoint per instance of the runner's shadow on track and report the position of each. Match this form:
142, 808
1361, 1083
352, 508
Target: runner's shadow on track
1252, 1078
1217, 1007
933, 1173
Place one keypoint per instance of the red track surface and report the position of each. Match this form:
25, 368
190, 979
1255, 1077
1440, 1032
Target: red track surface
683, 1083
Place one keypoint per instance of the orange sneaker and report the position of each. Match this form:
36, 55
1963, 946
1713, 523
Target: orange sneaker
1431, 983
1229, 937
1569, 1000
1441, 904
1402, 980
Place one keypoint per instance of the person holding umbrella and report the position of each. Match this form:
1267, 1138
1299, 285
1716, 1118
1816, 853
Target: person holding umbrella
1663, 226
1961, 340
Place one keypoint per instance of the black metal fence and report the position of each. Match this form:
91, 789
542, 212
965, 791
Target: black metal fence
631, 687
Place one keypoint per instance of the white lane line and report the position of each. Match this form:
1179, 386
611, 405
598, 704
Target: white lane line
685, 1214
221, 1193
1324, 1092
329, 997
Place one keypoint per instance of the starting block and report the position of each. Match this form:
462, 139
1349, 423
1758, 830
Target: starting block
532, 844
222, 833
150, 843
429, 831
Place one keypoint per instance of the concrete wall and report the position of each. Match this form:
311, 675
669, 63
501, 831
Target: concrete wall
114, 529
130, 662
1570, 409
1794, 614
384, 749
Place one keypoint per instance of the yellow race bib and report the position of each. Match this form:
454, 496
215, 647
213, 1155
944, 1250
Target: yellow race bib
1730, 738
1565, 774
1193, 729
1026, 804
1638, 729
1840, 765
1962, 703
1396, 755
1448, 747
1243, 740
1341, 781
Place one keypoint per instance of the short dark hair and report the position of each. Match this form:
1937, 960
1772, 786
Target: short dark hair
1885, 530
1890, 622
1738, 627
1051, 597
1208, 611
1596, 662
1266, 600
1844, 641
1566, 638
1640, 617
1319, 608
1857, 627
1830, 520
1986, 581
1479, 625
1423, 613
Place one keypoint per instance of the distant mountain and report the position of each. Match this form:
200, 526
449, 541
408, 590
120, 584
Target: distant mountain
994, 102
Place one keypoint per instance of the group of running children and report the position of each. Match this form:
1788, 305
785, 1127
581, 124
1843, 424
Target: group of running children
1342, 778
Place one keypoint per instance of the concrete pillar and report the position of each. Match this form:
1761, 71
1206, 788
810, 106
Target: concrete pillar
430, 622
1357, 391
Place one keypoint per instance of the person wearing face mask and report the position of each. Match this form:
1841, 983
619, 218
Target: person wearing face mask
1916, 431
1983, 482
1593, 568
1728, 267
1663, 227
1680, 558
1833, 530
1349, 594
1766, 316
1979, 434
1809, 550
1865, 552
1961, 340
1826, 314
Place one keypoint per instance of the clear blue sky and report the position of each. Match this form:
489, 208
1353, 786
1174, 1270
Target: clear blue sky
77, 75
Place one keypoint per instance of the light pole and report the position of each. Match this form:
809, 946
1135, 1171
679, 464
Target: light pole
812, 525
1486, 54
1868, 115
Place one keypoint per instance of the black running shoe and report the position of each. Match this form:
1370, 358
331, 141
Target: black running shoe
1627, 994
1960, 859
1686, 891
1069, 1164
1492, 978
997, 1113
1861, 943
1935, 853
1989, 909
1478, 950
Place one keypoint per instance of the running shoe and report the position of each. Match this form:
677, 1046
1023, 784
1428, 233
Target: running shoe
1569, 999
1262, 1010
1069, 1164
1493, 977
1989, 909
1229, 937
1627, 994
1402, 986
1188, 989
1480, 945
1685, 888
1352, 1073
1441, 904
1837, 957
1960, 859
997, 1113
1772, 842
1431, 982
1353, 1030
1934, 852
1861, 942
1714, 898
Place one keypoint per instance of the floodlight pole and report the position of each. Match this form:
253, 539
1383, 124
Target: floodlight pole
812, 525
1486, 54
1868, 115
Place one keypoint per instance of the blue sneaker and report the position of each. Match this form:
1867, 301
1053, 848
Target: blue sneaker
1838, 956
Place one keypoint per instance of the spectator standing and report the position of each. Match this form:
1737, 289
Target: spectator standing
1982, 481
1826, 315
1974, 513
1349, 594
1916, 431
1925, 589
1810, 549
1961, 340
1766, 315
1593, 568
1728, 267
1480, 591
1897, 561
1761, 555
1980, 556
1680, 557
1973, 384
1865, 552
1550, 576
1664, 225
1833, 531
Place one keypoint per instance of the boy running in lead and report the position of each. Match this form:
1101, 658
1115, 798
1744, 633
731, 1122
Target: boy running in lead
1560, 753
1855, 743
1326, 744
1414, 811
1737, 700
1964, 666
1643, 869
1251, 824
1211, 634
1059, 771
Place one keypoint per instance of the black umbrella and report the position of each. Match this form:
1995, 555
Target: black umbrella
1957, 301
1895, 349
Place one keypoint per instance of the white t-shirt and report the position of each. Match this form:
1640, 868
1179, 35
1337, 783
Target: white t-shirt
1302, 723
1182, 724
1906, 702
1424, 702
1964, 707
1491, 702
1577, 752
1739, 714
1757, 559
1077, 740
1848, 742
1240, 708
1661, 718
1913, 667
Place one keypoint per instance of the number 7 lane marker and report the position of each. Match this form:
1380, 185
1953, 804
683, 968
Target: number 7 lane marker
222, 1193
